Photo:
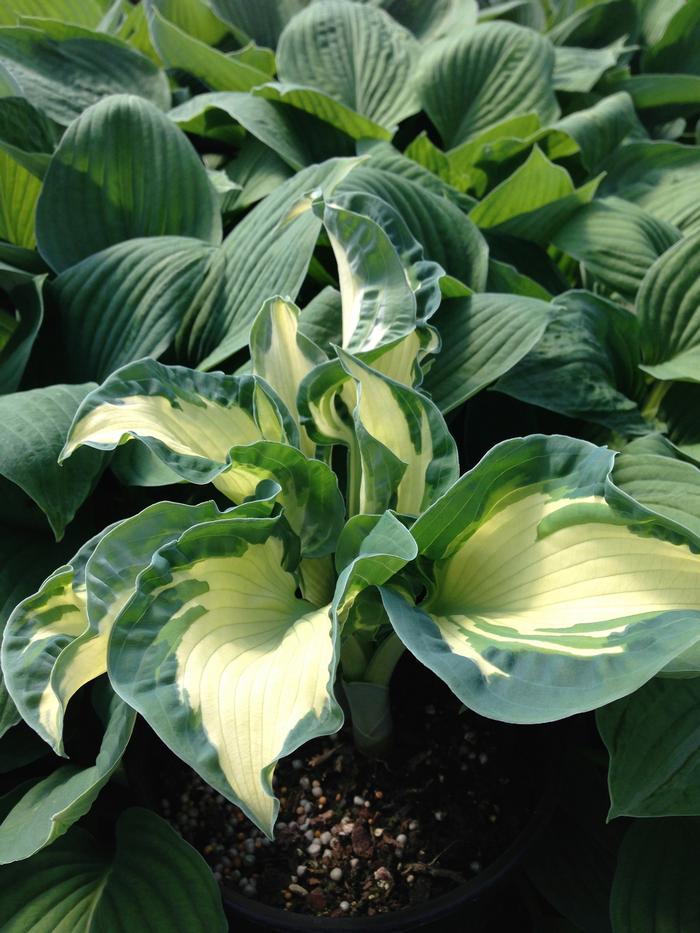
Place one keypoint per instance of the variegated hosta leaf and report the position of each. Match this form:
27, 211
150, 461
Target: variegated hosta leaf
189, 420
223, 660
282, 356
385, 283
553, 592
56, 640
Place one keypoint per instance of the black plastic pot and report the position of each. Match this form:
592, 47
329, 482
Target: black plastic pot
466, 908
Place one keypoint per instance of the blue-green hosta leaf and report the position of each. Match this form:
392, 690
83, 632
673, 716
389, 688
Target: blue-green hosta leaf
355, 53
268, 253
128, 300
154, 880
533, 202
654, 472
594, 24
33, 428
407, 457
80, 12
324, 107
483, 337
322, 320
229, 667
218, 71
654, 757
92, 184
655, 886
258, 171
668, 306
578, 70
499, 69
62, 69
51, 806
283, 356
661, 177
598, 130
430, 21
299, 138
678, 414
503, 277
193, 17
585, 366
24, 293
262, 21
662, 97
676, 51
552, 591
616, 242
385, 283
447, 236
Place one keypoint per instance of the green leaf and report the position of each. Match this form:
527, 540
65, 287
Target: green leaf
668, 306
266, 254
153, 878
661, 177
355, 53
220, 72
188, 419
93, 186
664, 97
678, 413
655, 473
447, 236
655, 886
483, 337
654, 755
499, 69
585, 366
33, 428
127, 301
552, 592
616, 243
53, 804
258, 171
262, 21
654, 17
62, 69
193, 17
593, 24
24, 293
215, 635
299, 138
326, 108
599, 130
579, 70
677, 50
80, 12
430, 21
533, 202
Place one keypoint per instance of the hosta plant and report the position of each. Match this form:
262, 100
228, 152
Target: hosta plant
259, 263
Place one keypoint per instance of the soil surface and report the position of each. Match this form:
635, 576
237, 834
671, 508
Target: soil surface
357, 837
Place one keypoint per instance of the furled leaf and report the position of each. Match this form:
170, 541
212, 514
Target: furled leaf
356, 53
483, 337
24, 294
153, 878
552, 592
668, 306
655, 886
498, 69
93, 189
585, 366
224, 661
220, 72
128, 301
616, 243
62, 69
51, 806
651, 736
33, 428
533, 202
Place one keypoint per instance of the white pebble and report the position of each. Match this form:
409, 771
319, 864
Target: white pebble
401, 839
297, 764
297, 889
313, 849
378, 832
280, 825
439, 815
304, 783
344, 906
301, 871
483, 758
413, 825
325, 838
354, 862
336, 874
317, 791
309, 834
358, 801
249, 890
475, 866
327, 854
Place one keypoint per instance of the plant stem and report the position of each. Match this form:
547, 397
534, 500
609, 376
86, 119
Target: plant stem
384, 660
654, 398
